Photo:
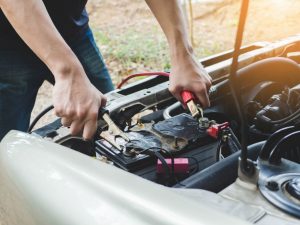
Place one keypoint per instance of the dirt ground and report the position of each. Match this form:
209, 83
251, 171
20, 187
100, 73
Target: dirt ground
214, 27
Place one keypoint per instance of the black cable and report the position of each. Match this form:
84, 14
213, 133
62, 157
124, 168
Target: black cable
172, 162
148, 149
246, 167
287, 119
170, 174
164, 164
234, 138
284, 145
38, 117
174, 177
188, 157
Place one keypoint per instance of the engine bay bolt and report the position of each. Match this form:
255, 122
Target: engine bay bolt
204, 122
140, 124
176, 143
272, 186
225, 138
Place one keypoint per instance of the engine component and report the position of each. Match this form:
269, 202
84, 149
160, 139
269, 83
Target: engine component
283, 110
279, 180
174, 136
180, 130
124, 161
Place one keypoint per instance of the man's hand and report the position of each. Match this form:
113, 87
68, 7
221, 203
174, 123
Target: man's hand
188, 74
75, 99
77, 102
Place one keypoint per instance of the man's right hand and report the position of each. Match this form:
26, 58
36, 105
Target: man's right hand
75, 99
77, 102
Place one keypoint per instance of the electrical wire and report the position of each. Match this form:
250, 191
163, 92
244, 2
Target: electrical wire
144, 151
287, 119
172, 162
38, 117
164, 164
192, 173
234, 87
234, 138
160, 158
188, 157
170, 173
164, 74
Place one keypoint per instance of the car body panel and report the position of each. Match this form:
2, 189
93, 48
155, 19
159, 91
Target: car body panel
44, 183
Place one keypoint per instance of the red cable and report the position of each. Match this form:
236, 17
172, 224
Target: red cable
164, 74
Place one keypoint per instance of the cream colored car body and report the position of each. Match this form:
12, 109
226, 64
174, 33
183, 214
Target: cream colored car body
44, 183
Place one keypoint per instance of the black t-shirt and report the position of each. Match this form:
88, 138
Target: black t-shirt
69, 17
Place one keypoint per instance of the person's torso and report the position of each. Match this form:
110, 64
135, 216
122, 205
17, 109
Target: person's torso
69, 17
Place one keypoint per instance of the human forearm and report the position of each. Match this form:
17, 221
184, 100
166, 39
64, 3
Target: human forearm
186, 72
170, 17
75, 99
31, 21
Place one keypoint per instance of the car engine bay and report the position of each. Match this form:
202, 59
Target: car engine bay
239, 157
170, 147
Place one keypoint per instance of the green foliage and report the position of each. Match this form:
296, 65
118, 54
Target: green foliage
130, 47
207, 49
132, 51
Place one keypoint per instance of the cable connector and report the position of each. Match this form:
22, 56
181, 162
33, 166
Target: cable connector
189, 101
104, 113
215, 129
193, 109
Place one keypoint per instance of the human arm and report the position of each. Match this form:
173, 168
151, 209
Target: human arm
75, 99
186, 72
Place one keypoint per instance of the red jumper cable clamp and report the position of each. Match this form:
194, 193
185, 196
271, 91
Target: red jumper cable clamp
214, 130
189, 101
